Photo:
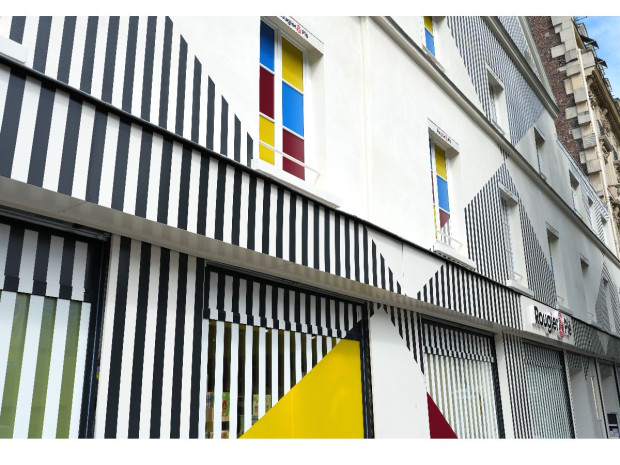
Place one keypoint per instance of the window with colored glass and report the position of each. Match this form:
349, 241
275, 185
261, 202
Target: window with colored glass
281, 102
441, 202
429, 34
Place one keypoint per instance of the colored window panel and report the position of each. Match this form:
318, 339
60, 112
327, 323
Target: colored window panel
266, 46
428, 23
440, 162
266, 92
266, 134
442, 194
292, 65
293, 146
443, 218
430, 42
292, 109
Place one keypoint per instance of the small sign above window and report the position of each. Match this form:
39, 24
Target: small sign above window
301, 32
442, 137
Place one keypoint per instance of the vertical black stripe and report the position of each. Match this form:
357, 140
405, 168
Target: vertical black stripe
304, 231
221, 291
279, 220
224, 128
337, 242
327, 242
147, 79
219, 204
66, 269
144, 167
266, 211
210, 113
139, 338
383, 286
237, 147
164, 182
43, 39
196, 351
365, 239
41, 135
292, 233
347, 248
250, 146
316, 250
10, 121
186, 160
374, 265
66, 49
41, 263
252, 213
160, 343
13, 258
196, 101
118, 333
130, 63
17, 28
69, 148
110, 59
262, 291
236, 205
120, 167
93, 181
181, 87
165, 74
203, 189
86, 80
356, 246
179, 335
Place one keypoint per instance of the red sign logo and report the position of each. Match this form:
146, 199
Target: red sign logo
561, 324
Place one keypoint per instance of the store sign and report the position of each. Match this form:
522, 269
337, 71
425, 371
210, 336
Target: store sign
301, 32
553, 322
443, 135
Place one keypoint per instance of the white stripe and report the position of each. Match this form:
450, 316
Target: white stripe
26, 269
82, 157
57, 359
175, 184
77, 54
5, 232
211, 197
53, 48
261, 372
99, 58
234, 378
332, 242
329, 344
286, 230
53, 266
258, 216
274, 367
109, 160
25, 132
204, 101
138, 75
173, 82
321, 220
343, 264
228, 292
231, 132
133, 163
4, 85
5, 26
213, 280
56, 141
273, 219
219, 380
298, 232
194, 179
80, 368
28, 369
310, 231
228, 203
119, 68
131, 310
308, 353
243, 217
7, 311
157, 68
204, 356
106, 340
247, 404
154, 172
360, 235
287, 362
186, 380
298, 343
166, 391
30, 37
79, 270
149, 345
189, 89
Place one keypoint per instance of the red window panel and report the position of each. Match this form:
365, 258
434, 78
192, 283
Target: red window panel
293, 146
266, 93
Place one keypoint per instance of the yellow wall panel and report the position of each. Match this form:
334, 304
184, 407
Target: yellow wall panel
440, 162
326, 403
292, 65
266, 133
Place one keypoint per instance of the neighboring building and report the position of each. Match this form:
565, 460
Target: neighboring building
589, 120
296, 227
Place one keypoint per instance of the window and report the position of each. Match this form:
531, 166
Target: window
429, 34
574, 185
539, 140
498, 113
281, 102
441, 201
493, 101
508, 241
556, 264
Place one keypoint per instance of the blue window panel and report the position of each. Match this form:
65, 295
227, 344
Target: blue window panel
266, 46
430, 42
292, 109
442, 194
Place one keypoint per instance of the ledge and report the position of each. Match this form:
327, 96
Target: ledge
293, 181
520, 288
451, 254
12, 49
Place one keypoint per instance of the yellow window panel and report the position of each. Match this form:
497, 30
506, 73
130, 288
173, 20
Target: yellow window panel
440, 162
266, 133
428, 23
292, 65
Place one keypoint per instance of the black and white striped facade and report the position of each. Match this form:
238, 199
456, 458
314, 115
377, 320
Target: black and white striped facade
120, 114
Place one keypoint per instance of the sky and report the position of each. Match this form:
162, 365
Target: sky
606, 31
